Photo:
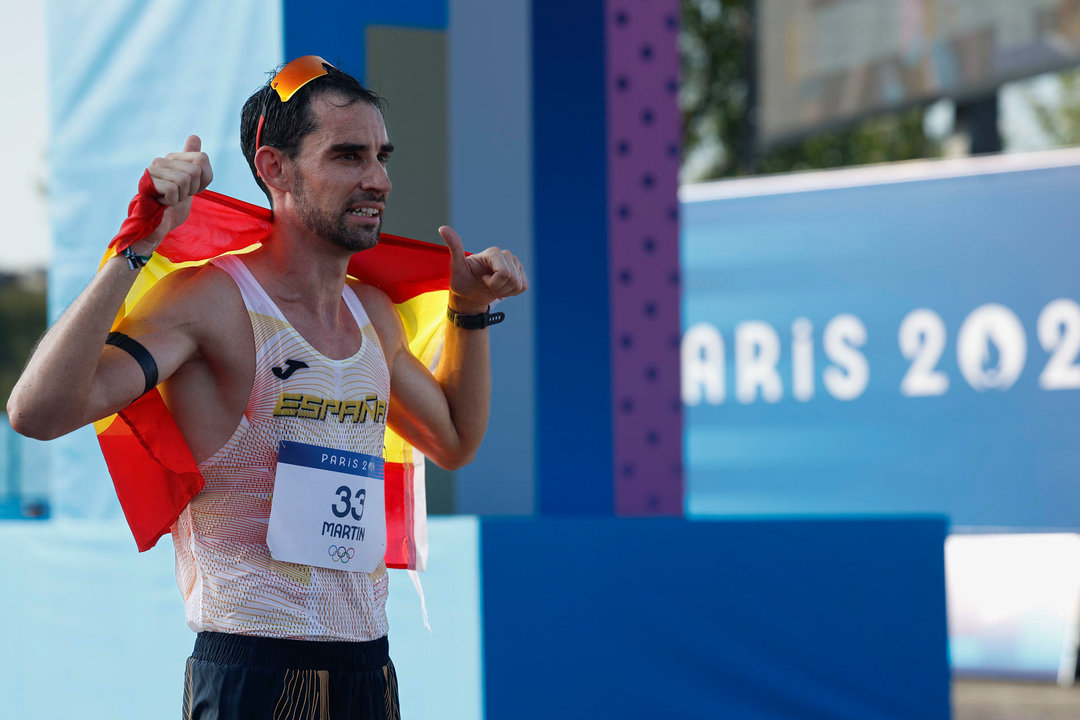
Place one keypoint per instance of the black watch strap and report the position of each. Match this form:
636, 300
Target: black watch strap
474, 322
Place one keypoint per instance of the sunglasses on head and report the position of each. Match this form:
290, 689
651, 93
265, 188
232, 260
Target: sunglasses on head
289, 80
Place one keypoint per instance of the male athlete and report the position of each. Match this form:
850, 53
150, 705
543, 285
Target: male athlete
235, 343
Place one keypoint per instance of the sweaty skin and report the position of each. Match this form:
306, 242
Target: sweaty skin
195, 325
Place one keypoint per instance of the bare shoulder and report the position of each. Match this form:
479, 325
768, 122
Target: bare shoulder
371, 296
203, 301
384, 316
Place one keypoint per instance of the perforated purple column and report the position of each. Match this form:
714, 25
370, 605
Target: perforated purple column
643, 165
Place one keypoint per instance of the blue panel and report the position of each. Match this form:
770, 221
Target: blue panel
770, 620
573, 396
440, 672
94, 625
24, 475
984, 432
490, 135
426, 14
336, 30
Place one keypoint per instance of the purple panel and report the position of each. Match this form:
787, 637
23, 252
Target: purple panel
643, 165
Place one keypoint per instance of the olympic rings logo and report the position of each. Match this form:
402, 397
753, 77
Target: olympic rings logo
340, 554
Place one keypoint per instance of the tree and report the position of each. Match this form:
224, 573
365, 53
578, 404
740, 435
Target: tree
23, 319
716, 42
1061, 120
713, 45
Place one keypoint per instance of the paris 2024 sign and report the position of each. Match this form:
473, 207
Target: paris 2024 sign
899, 339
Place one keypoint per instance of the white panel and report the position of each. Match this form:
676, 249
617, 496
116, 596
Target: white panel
1014, 602
26, 242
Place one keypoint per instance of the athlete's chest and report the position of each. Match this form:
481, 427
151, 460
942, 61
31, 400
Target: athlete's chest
338, 338
294, 380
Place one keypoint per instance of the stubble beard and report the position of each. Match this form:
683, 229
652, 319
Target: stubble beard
335, 229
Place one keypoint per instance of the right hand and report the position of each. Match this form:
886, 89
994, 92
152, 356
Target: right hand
177, 177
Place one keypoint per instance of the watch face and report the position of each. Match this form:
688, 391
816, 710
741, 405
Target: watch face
470, 322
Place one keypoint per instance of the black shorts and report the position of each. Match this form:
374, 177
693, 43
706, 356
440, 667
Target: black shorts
234, 677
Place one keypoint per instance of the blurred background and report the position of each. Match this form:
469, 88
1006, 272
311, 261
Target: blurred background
803, 343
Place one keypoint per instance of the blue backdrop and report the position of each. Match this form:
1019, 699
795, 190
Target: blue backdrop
902, 346
757, 620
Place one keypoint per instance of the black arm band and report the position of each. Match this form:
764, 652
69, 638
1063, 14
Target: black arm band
141, 355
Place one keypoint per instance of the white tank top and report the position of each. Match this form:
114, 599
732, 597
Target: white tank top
223, 567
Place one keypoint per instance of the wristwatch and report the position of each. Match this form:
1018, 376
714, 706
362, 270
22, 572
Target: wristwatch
474, 322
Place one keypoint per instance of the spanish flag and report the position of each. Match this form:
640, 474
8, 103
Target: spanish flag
151, 466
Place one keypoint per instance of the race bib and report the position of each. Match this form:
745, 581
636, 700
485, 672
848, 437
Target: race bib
327, 508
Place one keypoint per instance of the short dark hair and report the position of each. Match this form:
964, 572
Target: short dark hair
287, 123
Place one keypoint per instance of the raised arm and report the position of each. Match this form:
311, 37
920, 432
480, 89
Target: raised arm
445, 416
73, 377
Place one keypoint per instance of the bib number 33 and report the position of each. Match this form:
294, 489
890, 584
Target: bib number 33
350, 504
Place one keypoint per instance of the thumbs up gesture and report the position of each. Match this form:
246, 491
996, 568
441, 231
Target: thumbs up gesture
477, 280
177, 178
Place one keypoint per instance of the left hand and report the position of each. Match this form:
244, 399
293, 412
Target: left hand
477, 280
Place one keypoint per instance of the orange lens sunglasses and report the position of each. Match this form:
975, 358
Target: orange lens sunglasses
290, 79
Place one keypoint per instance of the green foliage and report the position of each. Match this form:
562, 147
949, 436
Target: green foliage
713, 44
22, 322
716, 47
1061, 120
885, 138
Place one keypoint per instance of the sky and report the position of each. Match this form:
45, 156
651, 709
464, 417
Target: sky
25, 242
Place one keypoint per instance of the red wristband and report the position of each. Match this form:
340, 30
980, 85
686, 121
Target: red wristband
144, 215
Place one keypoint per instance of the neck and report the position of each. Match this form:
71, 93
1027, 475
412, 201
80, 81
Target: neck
298, 267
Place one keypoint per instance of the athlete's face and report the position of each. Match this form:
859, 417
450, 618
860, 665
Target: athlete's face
340, 181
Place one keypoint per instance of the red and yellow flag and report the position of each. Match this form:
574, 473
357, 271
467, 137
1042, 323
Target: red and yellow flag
151, 466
